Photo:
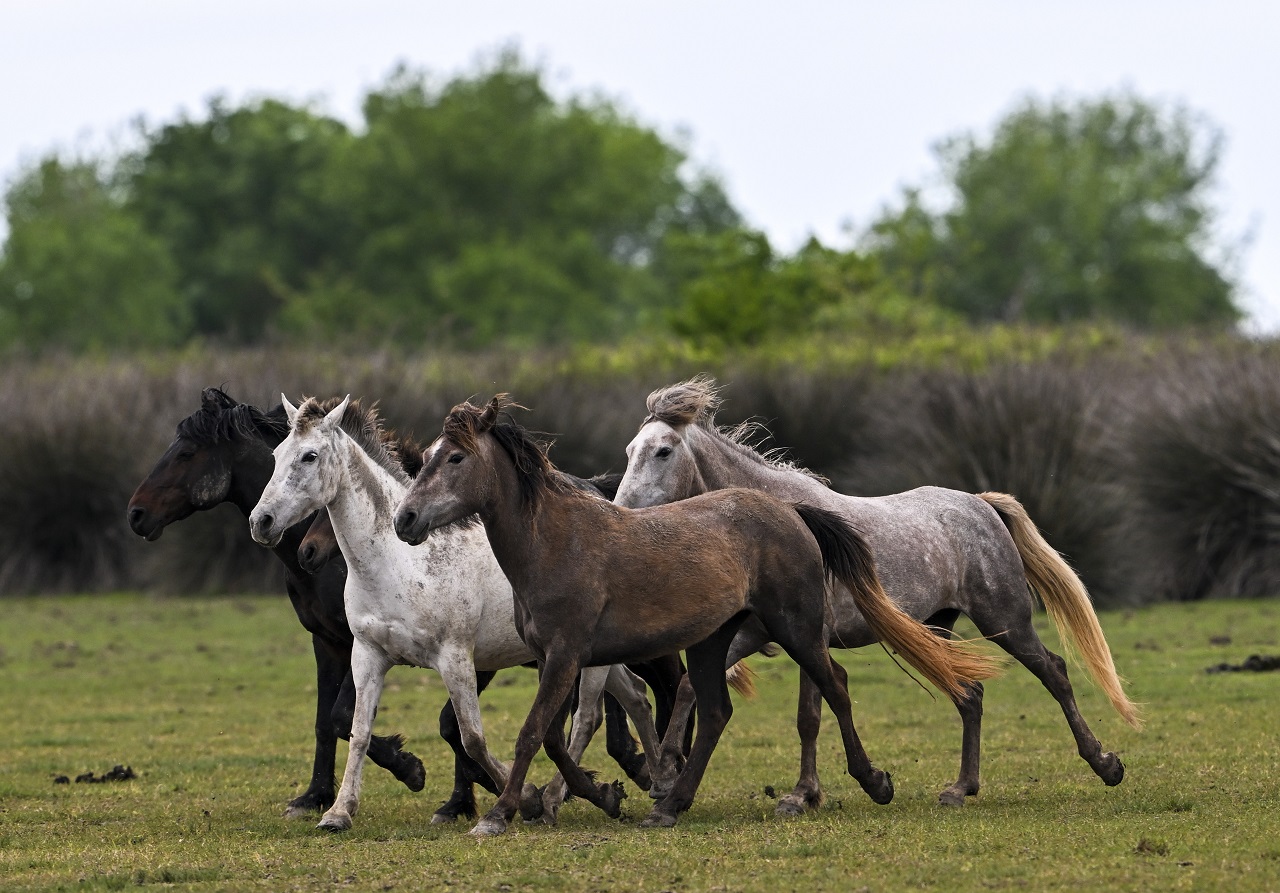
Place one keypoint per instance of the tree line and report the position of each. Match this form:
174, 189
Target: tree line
479, 210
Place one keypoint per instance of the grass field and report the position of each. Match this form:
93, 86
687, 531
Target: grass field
210, 702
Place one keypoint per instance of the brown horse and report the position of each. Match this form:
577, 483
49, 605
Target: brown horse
596, 584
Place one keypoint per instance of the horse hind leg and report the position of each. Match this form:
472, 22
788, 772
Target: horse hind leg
969, 706
1022, 643
816, 662
467, 773
807, 794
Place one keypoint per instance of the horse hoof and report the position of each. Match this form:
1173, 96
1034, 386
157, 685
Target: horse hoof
531, 803
951, 797
335, 822
789, 805
489, 827
295, 811
799, 802
550, 814
879, 787
612, 796
657, 819
443, 818
415, 777
1111, 770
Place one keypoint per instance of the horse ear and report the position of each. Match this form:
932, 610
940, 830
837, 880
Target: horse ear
290, 410
489, 417
334, 416
215, 400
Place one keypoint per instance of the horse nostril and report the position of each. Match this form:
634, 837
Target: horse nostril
265, 522
136, 514
406, 520
307, 552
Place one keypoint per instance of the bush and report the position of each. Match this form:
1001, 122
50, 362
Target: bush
1203, 471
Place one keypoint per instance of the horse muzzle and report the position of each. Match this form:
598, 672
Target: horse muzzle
262, 529
141, 523
411, 526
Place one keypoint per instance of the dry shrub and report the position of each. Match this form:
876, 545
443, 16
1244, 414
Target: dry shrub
1036, 431
1202, 464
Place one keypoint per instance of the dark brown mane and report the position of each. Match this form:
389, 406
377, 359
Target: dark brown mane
220, 418
365, 428
694, 402
466, 423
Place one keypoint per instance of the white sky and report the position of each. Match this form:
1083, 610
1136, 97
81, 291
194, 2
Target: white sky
814, 113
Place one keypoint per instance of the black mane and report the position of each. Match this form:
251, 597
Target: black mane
220, 419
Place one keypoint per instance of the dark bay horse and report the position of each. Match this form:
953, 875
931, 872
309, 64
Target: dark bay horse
596, 584
222, 453
941, 553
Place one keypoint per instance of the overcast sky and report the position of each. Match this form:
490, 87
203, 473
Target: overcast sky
815, 114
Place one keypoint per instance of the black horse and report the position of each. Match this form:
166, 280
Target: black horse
223, 453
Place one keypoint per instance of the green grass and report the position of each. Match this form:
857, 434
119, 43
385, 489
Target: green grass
210, 701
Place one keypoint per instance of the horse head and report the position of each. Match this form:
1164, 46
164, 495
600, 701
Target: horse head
194, 473
307, 469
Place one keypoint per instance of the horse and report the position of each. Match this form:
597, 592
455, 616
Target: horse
940, 553
222, 453
596, 584
320, 545
447, 608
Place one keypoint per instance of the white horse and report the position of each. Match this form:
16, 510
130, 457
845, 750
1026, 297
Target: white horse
444, 605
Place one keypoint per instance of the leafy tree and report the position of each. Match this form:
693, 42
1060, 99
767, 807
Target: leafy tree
245, 200
734, 289
486, 209
79, 271
1085, 210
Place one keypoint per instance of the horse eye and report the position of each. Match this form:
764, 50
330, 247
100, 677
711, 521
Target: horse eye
310, 456
185, 457
455, 458
663, 452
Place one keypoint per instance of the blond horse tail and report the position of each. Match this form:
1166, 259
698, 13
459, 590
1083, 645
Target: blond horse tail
1066, 601
847, 557
742, 679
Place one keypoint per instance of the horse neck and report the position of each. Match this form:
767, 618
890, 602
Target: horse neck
722, 464
251, 469
514, 536
364, 504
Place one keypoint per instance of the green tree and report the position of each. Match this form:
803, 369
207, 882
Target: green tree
483, 208
246, 202
79, 270
1096, 209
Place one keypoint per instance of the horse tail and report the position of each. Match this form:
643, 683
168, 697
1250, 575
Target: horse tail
742, 679
847, 557
1065, 600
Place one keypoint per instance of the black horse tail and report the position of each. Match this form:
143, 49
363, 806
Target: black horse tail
847, 558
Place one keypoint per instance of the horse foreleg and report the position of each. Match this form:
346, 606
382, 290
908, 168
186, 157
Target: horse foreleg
586, 721
466, 772
368, 670
629, 690
459, 675
807, 793
671, 750
386, 752
330, 670
833, 684
554, 688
